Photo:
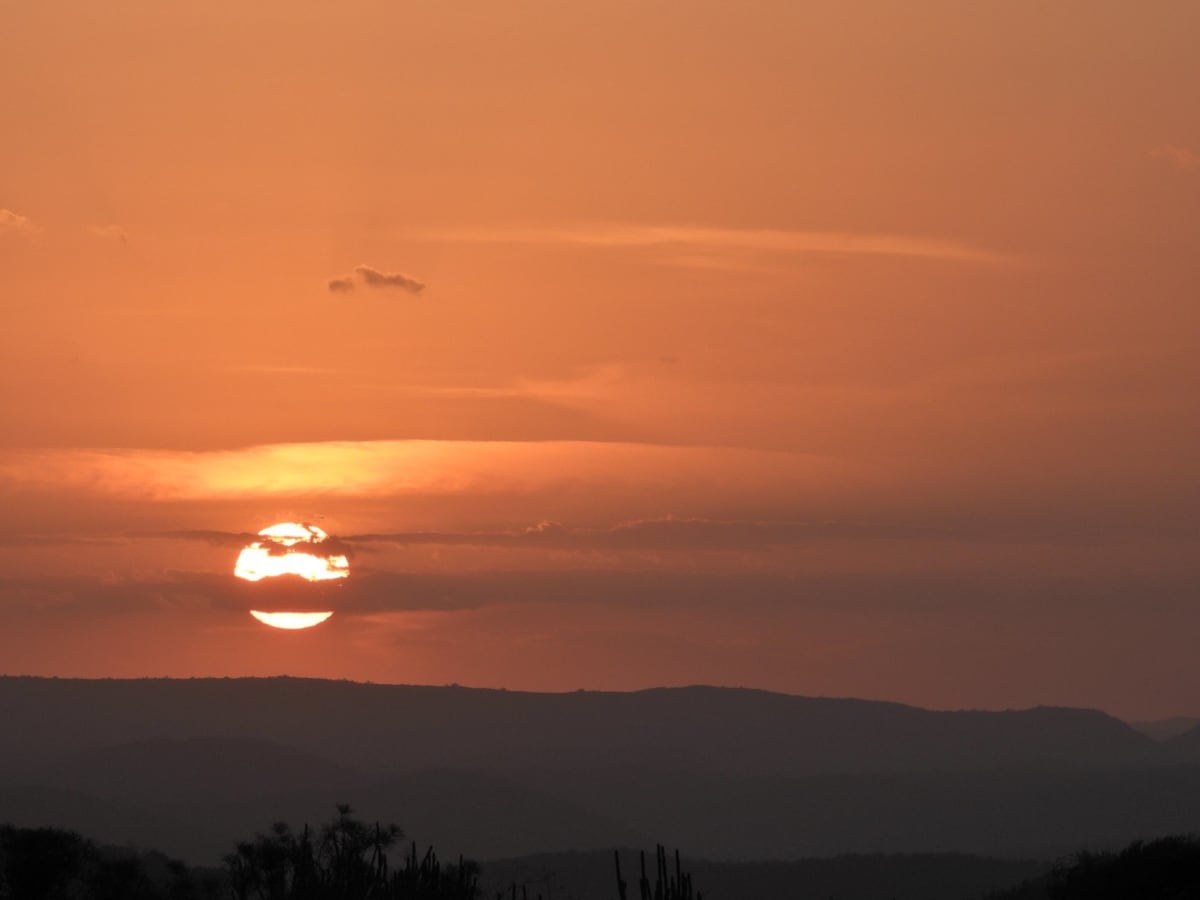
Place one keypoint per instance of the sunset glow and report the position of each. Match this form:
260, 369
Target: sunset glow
829, 348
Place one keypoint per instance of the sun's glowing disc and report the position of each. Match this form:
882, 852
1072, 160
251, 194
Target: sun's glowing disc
292, 621
290, 549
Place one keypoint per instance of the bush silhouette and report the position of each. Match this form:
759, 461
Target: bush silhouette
54, 864
1165, 869
345, 859
39, 863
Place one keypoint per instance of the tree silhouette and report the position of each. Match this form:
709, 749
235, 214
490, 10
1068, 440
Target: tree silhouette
347, 860
54, 864
668, 884
39, 863
1165, 869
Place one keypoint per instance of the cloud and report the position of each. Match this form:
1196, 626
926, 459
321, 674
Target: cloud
11, 223
659, 534
724, 240
669, 534
373, 278
110, 233
213, 538
9, 541
282, 370
1181, 158
408, 467
744, 593
330, 545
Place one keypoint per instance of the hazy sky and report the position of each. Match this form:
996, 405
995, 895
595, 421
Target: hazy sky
832, 348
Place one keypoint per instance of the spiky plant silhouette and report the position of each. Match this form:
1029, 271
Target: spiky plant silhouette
345, 859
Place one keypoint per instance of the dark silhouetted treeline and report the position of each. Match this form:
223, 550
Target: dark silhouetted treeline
343, 859
53, 864
346, 858
588, 875
1163, 869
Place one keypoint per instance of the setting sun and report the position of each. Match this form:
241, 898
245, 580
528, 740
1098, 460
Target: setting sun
285, 552
290, 549
291, 621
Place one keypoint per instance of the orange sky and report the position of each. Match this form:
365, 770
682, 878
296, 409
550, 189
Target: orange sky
831, 348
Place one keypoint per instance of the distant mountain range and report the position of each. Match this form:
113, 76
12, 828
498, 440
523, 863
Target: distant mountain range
188, 766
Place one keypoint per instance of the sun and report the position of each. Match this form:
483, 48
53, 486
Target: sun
286, 552
291, 621
290, 550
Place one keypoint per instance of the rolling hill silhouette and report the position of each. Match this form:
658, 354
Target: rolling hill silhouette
398, 727
724, 773
1165, 729
1184, 747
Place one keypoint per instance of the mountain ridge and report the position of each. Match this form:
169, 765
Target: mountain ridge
405, 727
720, 772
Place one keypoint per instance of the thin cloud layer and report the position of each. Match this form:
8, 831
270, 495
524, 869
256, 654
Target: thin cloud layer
393, 468
728, 239
758, 593
662, 534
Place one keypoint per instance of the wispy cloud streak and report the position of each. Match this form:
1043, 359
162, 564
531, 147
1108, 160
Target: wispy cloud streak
1181, 158
395, 468
716, 239
12, 223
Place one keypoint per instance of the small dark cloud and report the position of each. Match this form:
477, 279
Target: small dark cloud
376, 279
373, 278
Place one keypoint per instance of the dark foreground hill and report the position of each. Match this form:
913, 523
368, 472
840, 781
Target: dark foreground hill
946, 876
347, 858
724, 774
1166, 868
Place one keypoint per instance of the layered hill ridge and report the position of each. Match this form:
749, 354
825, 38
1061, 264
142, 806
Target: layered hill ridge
191, 765
396, 728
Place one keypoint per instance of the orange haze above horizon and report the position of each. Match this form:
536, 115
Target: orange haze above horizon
834, 349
